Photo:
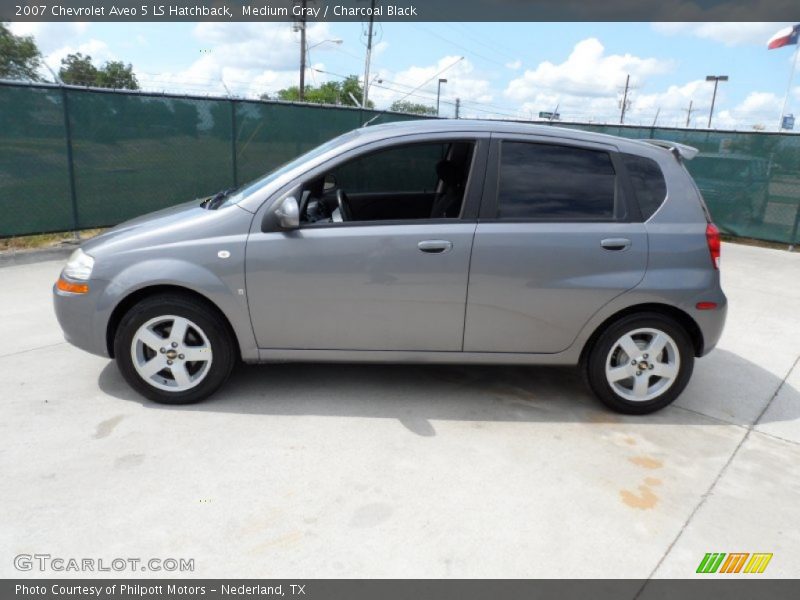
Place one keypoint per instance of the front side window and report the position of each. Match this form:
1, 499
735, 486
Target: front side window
556, 183
409, 182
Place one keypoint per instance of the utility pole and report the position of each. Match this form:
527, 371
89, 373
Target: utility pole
716, 79
689, 112
365, 95
302, 26
655, 120
624, 100
458, 107
439, 94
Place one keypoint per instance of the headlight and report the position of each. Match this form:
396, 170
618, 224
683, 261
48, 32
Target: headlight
79, 266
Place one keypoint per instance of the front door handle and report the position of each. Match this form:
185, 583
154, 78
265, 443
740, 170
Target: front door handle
615, 243
435, 246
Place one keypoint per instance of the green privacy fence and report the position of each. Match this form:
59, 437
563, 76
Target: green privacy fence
74, 158
750, 180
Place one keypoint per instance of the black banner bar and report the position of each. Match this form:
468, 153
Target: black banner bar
399, 10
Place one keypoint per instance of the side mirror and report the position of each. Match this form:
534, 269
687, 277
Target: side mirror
329, 183
288, 213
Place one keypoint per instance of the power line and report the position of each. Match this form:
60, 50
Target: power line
461, 46
477, 40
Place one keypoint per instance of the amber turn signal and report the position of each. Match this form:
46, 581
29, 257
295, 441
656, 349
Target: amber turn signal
72, 288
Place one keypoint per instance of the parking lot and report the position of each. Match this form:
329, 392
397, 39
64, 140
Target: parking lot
406, 471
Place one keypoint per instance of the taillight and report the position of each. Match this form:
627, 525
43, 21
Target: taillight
712, 237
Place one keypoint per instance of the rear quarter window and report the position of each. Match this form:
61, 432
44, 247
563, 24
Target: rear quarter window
648, 183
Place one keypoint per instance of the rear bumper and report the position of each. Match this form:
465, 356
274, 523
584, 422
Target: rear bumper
711, 322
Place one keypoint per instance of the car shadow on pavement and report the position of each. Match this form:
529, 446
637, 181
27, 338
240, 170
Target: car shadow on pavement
416, 395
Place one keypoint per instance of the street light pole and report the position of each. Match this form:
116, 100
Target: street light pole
439, 93
716, 79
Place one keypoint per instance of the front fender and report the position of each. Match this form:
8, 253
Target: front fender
224, 287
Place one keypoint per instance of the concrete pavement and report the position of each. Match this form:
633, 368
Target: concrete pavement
406, 471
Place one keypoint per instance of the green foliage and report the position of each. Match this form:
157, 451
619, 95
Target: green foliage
343, 93
117, 75
77, 69
19, 56
405, 106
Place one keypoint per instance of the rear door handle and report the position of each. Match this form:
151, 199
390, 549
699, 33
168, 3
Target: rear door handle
615, 243
435, 246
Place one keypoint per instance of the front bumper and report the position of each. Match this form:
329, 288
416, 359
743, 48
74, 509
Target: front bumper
79, 318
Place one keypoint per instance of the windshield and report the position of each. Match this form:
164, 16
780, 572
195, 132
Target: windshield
257, 184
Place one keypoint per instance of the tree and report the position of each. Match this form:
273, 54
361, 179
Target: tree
405, 106
343, 93
117, 75
19, 56
77, 69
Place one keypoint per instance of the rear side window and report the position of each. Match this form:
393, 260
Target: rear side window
648, 183
547, 182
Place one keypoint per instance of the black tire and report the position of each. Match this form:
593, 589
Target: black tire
206, 318
597, 357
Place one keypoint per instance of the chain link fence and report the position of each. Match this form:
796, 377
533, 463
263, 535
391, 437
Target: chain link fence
74, 158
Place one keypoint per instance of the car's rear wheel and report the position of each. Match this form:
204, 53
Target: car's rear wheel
640, 363
174, 349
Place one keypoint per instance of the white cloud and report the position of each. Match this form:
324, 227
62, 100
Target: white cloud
97, 49
587, 87
514, 64
379, 49
728, 33
251, 59
759, 108
56, 40
51, 36
462, 82
587, 71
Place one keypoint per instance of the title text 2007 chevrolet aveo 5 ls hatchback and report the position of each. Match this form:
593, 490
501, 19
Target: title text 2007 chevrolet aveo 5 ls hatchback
424, 241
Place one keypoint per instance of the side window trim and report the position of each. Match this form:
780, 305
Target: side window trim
491, 189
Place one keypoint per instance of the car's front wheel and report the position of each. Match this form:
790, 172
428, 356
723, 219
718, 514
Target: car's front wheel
641, 363
174, 349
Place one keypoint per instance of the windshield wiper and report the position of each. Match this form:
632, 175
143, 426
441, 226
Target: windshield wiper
215, 201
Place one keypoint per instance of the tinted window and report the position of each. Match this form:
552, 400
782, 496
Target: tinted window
648, 183
412, 181
539, 181
401, 169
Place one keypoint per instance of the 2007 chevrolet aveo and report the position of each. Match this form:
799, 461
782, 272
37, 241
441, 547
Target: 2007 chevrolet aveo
424, 241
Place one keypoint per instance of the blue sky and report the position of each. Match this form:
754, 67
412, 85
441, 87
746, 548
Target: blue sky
508, 69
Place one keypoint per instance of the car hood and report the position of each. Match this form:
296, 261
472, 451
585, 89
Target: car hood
175, 224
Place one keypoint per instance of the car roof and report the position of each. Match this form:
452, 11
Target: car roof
396, 128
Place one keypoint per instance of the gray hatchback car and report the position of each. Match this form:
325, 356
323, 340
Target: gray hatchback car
423, 241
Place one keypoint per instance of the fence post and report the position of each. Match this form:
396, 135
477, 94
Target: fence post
233, 145
70, 163
794, 240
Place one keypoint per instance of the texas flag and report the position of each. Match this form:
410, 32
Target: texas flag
785, 37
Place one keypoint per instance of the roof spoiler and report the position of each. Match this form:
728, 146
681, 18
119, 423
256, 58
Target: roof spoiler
681, 151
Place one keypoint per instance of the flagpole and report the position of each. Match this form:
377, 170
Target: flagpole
789, 87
